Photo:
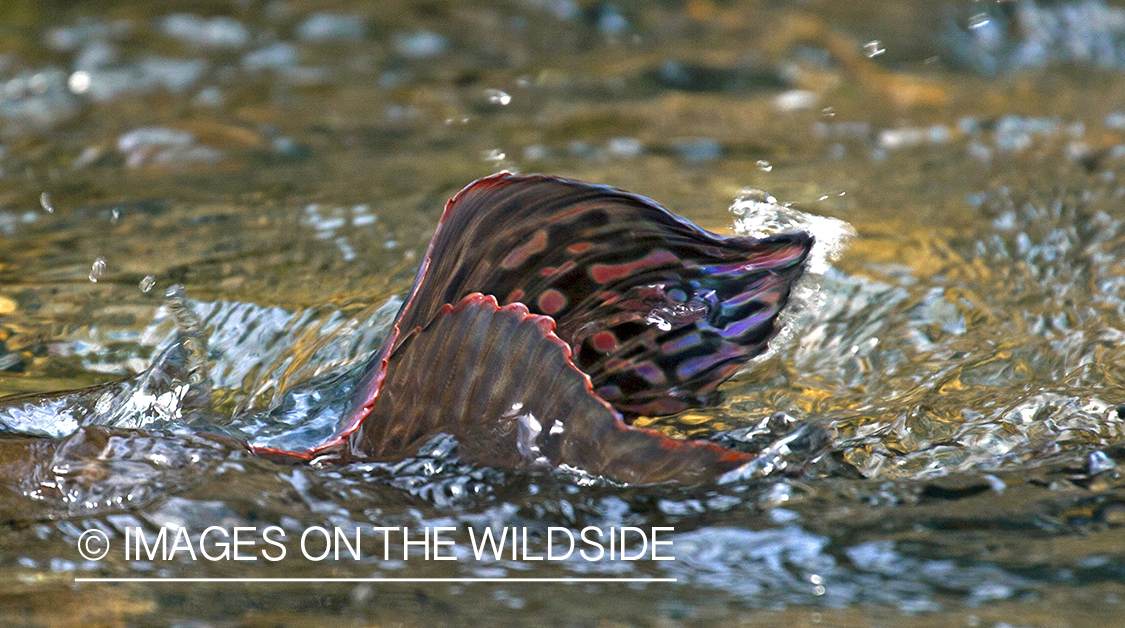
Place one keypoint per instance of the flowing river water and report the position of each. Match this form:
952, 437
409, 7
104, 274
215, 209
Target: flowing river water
241, 193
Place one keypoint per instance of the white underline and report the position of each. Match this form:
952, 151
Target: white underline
375, 580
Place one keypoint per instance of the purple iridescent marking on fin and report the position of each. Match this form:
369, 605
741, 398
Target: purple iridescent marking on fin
681, 344
747, 324
758, 291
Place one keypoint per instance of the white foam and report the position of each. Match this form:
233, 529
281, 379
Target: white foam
758, 214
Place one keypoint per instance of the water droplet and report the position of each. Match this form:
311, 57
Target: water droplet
147, 283
45, 202
497, 97
828, 112
114, 215
494, 155
764, 165
175, 294
97, 269
979, 20
873, 49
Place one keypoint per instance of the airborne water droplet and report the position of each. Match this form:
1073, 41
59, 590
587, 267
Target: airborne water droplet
494, 155
873, 49
147, 283
764, 165
97, 269
828, 112
45, 202
979, 20
498, 97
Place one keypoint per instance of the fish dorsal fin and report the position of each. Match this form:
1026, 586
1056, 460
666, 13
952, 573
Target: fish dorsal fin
656, 310
503, 384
